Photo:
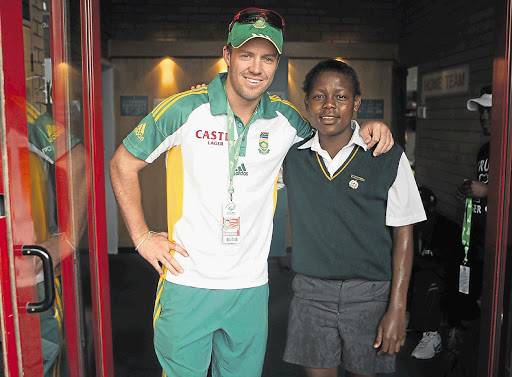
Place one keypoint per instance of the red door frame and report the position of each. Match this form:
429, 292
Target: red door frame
499, 197
16, 228
22, 353
59, 46
93, 138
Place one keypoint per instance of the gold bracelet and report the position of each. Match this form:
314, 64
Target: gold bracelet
144, 239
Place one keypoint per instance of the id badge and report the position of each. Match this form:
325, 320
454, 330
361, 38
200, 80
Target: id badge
464, 279
230, 222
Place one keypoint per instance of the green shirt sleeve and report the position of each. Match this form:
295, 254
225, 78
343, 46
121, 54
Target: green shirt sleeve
42, 134
157, 132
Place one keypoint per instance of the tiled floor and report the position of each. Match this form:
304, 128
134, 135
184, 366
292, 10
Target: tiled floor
132, 292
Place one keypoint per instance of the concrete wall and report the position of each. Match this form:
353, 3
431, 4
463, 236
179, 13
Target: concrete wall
437, 36
207, 20
34, 45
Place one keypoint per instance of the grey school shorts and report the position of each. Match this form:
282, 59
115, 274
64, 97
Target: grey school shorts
335, 321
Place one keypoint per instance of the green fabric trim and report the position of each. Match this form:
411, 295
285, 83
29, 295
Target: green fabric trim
42, 134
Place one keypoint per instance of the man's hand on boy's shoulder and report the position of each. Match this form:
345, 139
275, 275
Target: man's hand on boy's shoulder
377, 133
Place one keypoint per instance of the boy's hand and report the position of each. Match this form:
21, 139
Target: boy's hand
198, 86
375, 132
391, 332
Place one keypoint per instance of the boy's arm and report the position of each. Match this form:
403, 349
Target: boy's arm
375, 132
392, 328
155, 248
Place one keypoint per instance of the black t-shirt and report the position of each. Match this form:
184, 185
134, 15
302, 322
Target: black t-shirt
480, 205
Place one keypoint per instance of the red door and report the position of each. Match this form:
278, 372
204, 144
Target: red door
496, 329
55, 304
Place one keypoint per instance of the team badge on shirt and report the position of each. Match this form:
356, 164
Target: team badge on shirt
264, 143
354, 182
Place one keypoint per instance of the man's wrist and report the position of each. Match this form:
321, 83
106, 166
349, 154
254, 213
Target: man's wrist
144, 238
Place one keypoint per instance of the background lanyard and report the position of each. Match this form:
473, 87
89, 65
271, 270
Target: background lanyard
466, 227
233, 148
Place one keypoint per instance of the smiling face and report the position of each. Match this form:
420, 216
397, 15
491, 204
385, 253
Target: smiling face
252, 67
331, 103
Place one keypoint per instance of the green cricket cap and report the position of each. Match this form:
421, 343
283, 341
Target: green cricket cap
241, 33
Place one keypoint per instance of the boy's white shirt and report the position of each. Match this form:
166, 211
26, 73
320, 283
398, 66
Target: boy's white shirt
404, 206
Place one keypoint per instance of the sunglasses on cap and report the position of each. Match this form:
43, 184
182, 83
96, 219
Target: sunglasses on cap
251, 15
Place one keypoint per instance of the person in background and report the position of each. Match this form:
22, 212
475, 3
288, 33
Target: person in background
476, 189
425, 314
464, 314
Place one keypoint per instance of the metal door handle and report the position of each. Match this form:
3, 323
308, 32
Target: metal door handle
49, 278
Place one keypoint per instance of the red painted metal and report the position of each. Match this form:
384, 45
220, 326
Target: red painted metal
61, 69
8, 325
21, 332
93, 137
499, 197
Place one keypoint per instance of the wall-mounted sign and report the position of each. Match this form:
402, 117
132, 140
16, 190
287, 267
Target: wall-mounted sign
371, 109
445, 82
156, 102
134, 105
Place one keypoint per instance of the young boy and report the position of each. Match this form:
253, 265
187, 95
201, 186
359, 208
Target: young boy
351, 217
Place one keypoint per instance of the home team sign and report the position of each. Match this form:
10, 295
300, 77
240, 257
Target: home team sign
445, 82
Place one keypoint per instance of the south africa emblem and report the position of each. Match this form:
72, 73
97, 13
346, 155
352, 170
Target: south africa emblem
264, 143
260, 24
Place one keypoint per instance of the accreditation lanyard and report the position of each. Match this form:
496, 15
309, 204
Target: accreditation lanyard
233, 148
231, 208
466, 236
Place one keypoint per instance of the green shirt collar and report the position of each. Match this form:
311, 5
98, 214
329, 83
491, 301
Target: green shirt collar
219, 103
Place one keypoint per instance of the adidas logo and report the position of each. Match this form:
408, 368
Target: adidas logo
139, 131
241, 170
53, 132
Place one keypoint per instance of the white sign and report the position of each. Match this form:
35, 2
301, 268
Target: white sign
445, 82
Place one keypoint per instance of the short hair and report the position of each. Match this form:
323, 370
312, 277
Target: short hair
331, 65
